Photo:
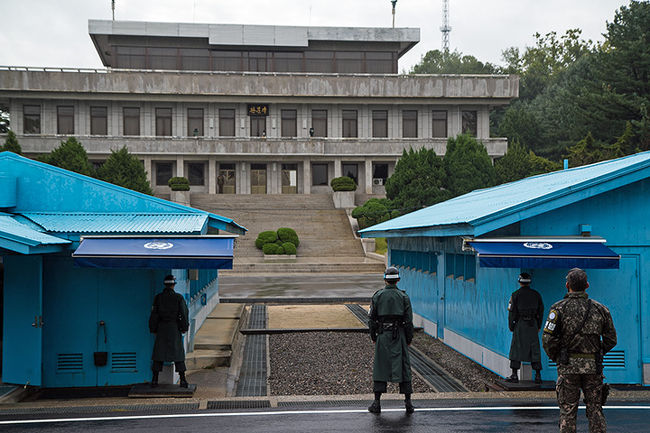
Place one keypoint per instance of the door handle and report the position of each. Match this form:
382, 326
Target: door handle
35, 322
38, 322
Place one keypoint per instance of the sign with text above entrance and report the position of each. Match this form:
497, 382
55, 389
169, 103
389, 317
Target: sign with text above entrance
258, 109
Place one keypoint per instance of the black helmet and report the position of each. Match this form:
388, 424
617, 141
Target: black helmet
170, 279
524, 278
391, 274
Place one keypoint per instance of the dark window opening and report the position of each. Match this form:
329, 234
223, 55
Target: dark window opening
31, 119
196, 173
319, 122
98, 121
380, 123
439, 124
289, 125
163, 122
227, 122
379, 174
131, 121
319, 174
351, 171
163, 172
409, 123
350, 124
65, 119
258, 126
470, 123
195, 122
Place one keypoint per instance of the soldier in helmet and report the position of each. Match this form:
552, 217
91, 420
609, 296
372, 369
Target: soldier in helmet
577, 334
391, 329
525, 315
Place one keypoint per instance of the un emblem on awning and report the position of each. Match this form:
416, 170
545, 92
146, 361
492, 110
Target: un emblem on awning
538, 245
158, 245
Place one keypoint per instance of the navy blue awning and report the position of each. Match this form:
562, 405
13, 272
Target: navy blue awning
552, 253
156, 253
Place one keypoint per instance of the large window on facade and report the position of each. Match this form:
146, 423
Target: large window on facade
163, 58
409, 123
227, 122
196, 173
439, 126
380, 123
470, 123
319, 122
131, 57
350, 124
226, 60
195, 122
163, 122
319, 61
65, 119
289, 123
258, 61
351, 170
31, 119
287, 62
163, 172
379, 173
131, 119
98, 121
380, 63
258, 126
349, 62
319, 174
195, 59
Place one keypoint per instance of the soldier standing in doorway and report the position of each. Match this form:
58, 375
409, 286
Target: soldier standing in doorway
391, 329
578, 333
525, 315
169, 320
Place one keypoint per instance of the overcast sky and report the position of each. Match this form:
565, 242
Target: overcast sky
55, 32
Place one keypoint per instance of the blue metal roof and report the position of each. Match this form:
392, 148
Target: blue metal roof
86, 223
511, 202
18, 237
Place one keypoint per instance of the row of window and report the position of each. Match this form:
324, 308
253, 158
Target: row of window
203, 59
459, 266
226, 124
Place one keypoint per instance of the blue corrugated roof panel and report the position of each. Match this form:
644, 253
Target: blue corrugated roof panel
485, 203
71, 222
14, 230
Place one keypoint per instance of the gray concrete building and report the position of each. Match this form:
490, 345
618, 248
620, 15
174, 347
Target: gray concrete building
252, 109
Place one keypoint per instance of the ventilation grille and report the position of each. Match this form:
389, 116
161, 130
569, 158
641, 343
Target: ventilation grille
69, 363
123, 361
613, 359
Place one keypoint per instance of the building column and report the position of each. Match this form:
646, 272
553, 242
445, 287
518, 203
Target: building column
338, 168
148, 168
180, 166
368, 176
306, 176
212, 175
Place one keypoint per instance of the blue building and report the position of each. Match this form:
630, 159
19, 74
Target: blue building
83, 260
460, 259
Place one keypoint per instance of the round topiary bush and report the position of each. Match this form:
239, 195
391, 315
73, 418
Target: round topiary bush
272, 248
266, 237
289, 248
343, 183
288, 235
179, 184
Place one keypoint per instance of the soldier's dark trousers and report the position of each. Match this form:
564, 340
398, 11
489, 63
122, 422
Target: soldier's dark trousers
516, 365
404, 387
568, 396
179, 365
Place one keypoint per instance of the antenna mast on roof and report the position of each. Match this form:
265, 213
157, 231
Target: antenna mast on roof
445, 28
113, 8
393, 2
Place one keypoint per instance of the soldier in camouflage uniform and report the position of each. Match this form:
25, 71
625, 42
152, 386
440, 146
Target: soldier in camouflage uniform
391, 329
572, 338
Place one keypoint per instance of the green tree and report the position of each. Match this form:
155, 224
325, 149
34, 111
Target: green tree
625, 144
586, 151
417, 181
519, 162
11, 143
520, 124
444, 62
70, 155
374, 211
124, 169
467, 165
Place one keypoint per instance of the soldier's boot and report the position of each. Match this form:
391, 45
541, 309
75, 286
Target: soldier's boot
538, 376
407, 404
154, 379
513, 377
375, 407
183, 380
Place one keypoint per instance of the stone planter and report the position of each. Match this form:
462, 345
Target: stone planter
181, 197
279, 258
343, 199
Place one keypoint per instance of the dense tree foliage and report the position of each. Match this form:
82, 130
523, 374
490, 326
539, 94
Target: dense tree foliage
374, 211
467, 165
124, 169
11, 144
70, 155
444, 62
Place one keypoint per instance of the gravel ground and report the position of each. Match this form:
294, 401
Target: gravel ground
325, 363
472, 375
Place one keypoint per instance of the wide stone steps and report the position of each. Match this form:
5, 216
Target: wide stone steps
214, 340
270, 201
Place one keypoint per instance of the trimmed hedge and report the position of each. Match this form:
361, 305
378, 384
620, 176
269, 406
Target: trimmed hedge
267, 237
272, 248
343, 183
286, 234
179, 184
289, 248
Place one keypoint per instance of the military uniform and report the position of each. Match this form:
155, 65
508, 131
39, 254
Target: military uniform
168, 320
575, 346
525, 316
391, 328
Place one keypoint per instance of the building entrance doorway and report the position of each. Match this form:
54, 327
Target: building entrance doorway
226, 182
352, 171
258, 178
289, 178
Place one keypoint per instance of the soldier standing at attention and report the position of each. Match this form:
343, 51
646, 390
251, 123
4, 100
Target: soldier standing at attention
578, 333
168, 320
525, 315
391, 329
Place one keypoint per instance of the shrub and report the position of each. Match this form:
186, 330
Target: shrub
289, 248
288, 235
374, 211
343, 183
272, 248
266, 237
179, 184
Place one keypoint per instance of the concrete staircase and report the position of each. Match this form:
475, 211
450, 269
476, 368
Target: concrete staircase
213, 342
327, 243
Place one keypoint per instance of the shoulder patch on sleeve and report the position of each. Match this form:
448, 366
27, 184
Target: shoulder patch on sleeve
551, 321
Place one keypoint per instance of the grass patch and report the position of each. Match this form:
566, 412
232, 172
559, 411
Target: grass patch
381, 246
